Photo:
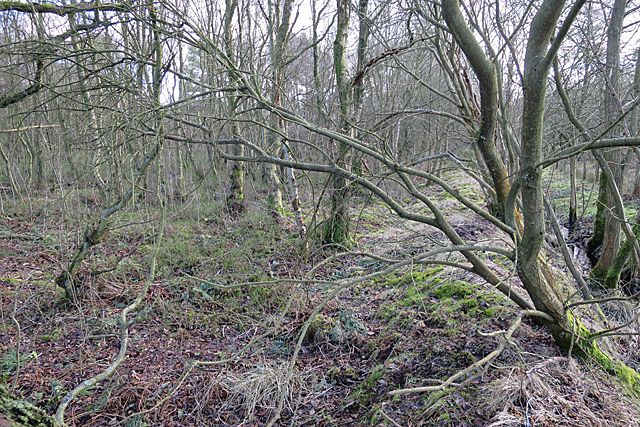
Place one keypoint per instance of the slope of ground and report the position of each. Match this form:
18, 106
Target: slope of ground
221, 299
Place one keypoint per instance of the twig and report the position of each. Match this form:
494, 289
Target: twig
388, 418
19, 340
602, 300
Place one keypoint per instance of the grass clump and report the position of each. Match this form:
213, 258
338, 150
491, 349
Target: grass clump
261, 387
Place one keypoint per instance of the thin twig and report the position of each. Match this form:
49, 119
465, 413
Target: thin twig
388, 418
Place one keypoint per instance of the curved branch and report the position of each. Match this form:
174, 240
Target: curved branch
35, 87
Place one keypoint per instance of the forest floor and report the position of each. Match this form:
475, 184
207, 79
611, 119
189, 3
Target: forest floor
212, 302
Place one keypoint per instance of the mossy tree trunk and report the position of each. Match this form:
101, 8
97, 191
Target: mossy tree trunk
595, 241
337, 228
566, 328
613, 274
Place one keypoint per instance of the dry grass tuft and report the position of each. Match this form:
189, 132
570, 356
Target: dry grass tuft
558, 392
261, 388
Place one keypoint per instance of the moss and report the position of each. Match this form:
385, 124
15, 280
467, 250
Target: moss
456, 301
613, 275
53, 335
493, 311
274, 206
320, 328
455, 289
367, 388
342, 372
336, 230
383, 343
598, 274
427, 276
595, 241
21, 413
587, 348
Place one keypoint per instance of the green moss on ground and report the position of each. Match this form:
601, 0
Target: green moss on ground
17, 413
435, 297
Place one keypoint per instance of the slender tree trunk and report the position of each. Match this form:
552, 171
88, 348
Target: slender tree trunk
337, 228
26, 143
573, 198
635, 125
485, 70
235, 198
636, 185
9, 171
92, 119
280, 17
611, 230
295, 198
316, 71
179, 161
358, 84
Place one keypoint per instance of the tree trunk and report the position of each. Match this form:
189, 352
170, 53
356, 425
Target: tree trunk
534, 273
573, 198
279, 22
567, 329
235, 198
485, 70
319, 98
636, 185
8, 169
611, 230
337, 228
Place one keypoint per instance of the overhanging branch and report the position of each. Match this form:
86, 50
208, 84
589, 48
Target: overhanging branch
60, 10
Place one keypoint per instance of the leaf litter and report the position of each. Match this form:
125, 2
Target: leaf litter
410, 337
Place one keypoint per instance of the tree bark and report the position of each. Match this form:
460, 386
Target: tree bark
337, 228
235, 198
611, 230
485, 70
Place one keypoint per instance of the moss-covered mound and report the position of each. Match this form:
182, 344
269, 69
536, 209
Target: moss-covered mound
18, 413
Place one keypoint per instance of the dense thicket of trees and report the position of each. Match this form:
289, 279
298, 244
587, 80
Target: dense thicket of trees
380, 96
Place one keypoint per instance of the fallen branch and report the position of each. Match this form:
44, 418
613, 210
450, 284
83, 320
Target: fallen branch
124, 327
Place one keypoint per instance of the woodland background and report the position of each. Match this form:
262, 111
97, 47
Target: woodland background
397, 212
